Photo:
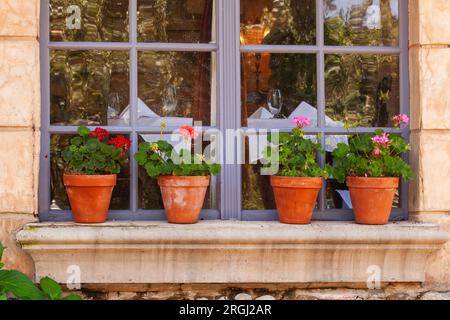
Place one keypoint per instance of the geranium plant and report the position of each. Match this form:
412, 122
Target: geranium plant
375, 155
96, 153
161, 159
295, 154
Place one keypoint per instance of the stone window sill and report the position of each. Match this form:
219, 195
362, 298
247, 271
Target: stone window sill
232, 252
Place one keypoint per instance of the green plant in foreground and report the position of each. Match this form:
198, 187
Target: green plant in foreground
295, 155
94, 152
17, 284
373, 155
161, 159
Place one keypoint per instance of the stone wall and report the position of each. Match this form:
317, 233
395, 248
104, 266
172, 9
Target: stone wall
430, 138
429, 196
19, 123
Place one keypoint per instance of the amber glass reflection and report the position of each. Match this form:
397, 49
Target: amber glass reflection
278, 22
121, 194
361, 22
363, 90
94, 20
182, 21
337, 194
292, 75
149, 192
176, 86
83, 84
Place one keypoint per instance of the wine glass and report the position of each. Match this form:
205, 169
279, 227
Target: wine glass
170, 99
113, 105
275, 102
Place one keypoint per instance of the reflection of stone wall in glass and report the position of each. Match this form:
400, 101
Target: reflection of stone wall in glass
361, 23
82, 81
101, 20
158, 70
180, 21
362, 89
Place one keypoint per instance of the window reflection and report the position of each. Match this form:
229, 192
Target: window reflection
88, 86
361, 22
291, 76
80, 20
278, 22
362, 89
182, 21
174, 87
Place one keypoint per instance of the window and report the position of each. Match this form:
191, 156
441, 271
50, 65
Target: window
125, 65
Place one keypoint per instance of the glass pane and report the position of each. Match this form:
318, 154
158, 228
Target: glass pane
121, 194
176, 86
149, 192
361, 22
276, 87
337, 194
182, 21
94, 20
88, 87
363, 90
278, 22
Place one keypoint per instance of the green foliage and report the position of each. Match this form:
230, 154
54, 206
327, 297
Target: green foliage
21, 287
161, 159
295, 155
91, 154
364, 158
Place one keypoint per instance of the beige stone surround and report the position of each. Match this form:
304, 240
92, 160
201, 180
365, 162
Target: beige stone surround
430, 105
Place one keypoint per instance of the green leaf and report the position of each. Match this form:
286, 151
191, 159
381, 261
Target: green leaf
93, 145
2, 249
19, 285
3, 296
77, 141
152, 170
84, 131
144, 146
51, 288
141, 157
215, 169
67, 155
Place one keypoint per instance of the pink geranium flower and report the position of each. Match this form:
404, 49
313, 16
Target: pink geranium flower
302, 122
381, 140
400, 119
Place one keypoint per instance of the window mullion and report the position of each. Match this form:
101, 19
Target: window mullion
229, 88
134, 183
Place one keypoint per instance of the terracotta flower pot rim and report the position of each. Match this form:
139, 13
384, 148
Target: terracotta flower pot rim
82, 180
296, 182
184, 181
373, 183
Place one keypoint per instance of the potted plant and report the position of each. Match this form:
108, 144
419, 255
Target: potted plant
299, 180
372, 167
93, 160
182, 177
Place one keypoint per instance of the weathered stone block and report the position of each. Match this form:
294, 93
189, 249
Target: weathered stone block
19, 18
430, 82
14, 257
17, 178
431, 165
429, 21
19, 83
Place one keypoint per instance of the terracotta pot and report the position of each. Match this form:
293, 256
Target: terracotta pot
296, 198
372, 198
89, 196
183, 197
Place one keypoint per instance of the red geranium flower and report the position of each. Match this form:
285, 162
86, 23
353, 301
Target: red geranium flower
187, 131
100, 134
120, 142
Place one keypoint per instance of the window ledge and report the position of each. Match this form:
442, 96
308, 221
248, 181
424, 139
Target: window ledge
231, 252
